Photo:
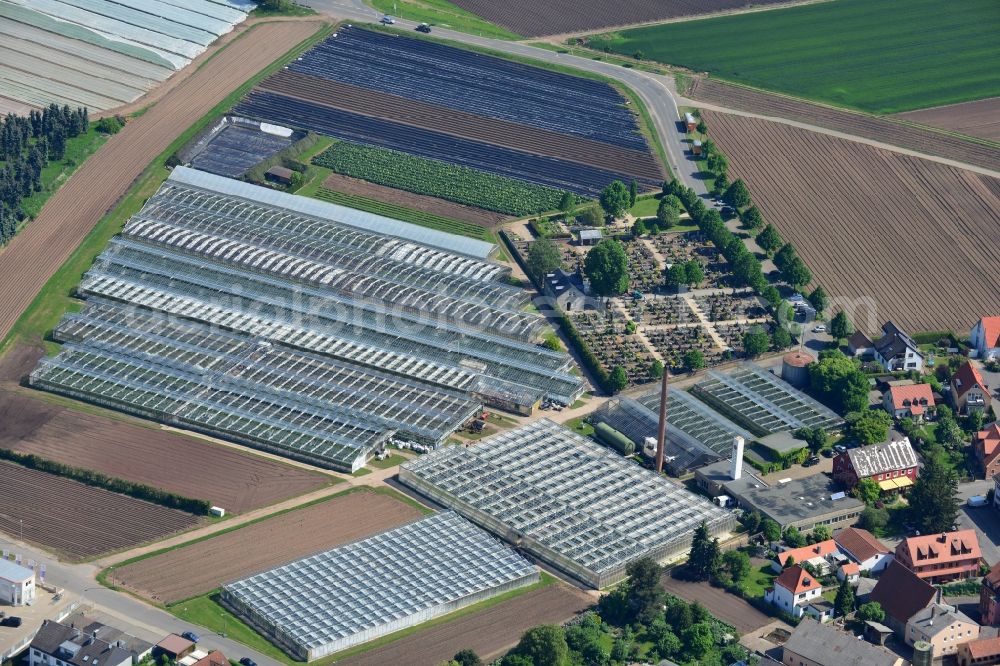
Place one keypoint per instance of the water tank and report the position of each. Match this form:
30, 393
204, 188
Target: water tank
923, 653
794, 368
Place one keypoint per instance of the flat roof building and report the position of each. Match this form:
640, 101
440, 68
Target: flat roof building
17, 584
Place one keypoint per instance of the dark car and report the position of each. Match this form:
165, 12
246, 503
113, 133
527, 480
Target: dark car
12, 621
247, 661
727, 212
814, 460
828, 453
191, 636
423, 27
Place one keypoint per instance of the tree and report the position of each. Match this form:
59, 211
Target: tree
551, 341
737, 194
656, 369
703, 560
796, 273
644, 593
794, 538
869, 426
782, 338
751, 520
819, 299
933, 500
615, 199
737, 564
639, 228
633, 192
821, 533
838, 381
666, 214
843, 603
870, 612
675, 276
755, 342
771, 530
567, 201
698, 641
468, 658
543, 258
868, 491
751, 218
693, 359
57, 144
617, 379
769, 239
874, 520
771, 294
591, 216
544, 645
606, 266
701, 127
693, 272
840, 326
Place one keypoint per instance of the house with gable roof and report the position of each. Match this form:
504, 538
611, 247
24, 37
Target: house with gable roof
914, 401
985, 338
969, 392
892, 465
941, 558
897, 351
986, 449
901, 594
861, 546
797, 592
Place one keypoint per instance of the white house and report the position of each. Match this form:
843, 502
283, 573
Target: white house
864, 549
897, 351
985, 338
82, 641
794, 590
17, 584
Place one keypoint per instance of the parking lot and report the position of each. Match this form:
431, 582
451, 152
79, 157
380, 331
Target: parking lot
45, 607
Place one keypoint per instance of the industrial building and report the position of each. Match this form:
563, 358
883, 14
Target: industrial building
17, 584
325, 603
300, 327
572, 503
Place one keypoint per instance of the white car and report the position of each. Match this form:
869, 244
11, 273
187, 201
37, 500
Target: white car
388, 20
819, 329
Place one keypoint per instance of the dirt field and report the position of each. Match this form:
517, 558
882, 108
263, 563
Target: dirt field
556, 17
884, 129
490, 633
121, 448
79, 521
887, 235
466, 125
426, 204
981, 118
192, 570
727, 607
45, 244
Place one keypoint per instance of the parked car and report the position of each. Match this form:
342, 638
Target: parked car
424, 28
813, 460
827, 453
976, 500
840, 448
191, 636
819, 329
12, 621
247, 661
387, 20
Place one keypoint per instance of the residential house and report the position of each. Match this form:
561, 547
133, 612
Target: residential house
969, 392
944, 627
985, 338
892, 465
860, 344
989, 598
173, 647
815, 555
793, 590
980, 652
896, 351
815, 644
202, 658
17, 584
902, 594
82, 641
570, 291
849, 571
915, 401
986, 448
940, 558
864, 549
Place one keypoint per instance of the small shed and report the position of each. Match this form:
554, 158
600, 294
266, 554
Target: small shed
696, 147
174, 647
279, 174
591, 236
876, 632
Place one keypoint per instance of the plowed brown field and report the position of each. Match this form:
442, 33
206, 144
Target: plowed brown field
887, 235
193, 570
886, 130
981, 118
490, 632
532, 18
45, 244
466, 125
79, 521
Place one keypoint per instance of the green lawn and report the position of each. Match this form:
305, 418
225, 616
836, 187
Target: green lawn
759, 580
645, 207
444, 14
393, 460
881, 56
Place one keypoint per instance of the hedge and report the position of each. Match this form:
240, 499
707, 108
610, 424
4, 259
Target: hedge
115, 485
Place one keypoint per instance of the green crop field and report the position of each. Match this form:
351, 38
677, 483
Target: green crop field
406, 214
880, 56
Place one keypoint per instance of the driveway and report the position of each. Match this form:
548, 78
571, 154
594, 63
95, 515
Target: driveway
985, 519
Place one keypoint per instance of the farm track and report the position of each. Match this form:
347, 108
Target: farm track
502, 133
489, 632
889, 236
980, 118
45, 244
201, 567
76, 520
534, 19
885, 130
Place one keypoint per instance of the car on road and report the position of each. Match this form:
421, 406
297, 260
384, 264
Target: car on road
424, 28
12, 621
191, 636
247, 661
387, 20
821, 328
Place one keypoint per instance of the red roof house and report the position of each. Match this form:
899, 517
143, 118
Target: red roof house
892, 465
902, 594
985, 338
986, 447
793, 590
989, 597
863, 548
807, 554
939, 558
914, 400
979, 652
969, 393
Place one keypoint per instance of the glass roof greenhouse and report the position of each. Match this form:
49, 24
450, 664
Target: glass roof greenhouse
294, 333
566, 499
327, 602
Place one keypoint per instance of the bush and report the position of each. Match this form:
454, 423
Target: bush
109, 125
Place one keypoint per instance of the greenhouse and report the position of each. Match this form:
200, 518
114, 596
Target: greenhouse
763, 402
574, 504
325, 603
